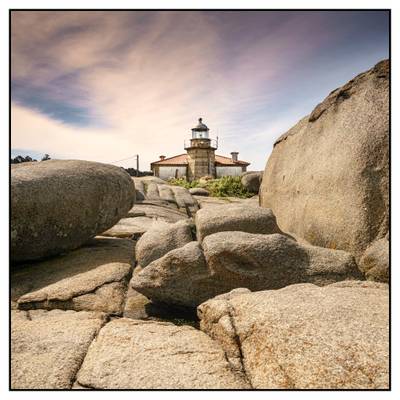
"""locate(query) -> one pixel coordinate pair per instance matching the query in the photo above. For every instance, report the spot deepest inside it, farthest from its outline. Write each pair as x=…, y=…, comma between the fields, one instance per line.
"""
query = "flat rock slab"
x=304, y=336
x=217, y=201
x=48, y=347
x=159, y=212
x=212, y=201
x=130, y=227
x=133, y=354
x=92, y=278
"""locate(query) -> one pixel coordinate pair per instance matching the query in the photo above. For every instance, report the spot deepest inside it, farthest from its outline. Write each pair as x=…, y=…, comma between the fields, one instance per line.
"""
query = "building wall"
x=229, y=171
x=166, y=171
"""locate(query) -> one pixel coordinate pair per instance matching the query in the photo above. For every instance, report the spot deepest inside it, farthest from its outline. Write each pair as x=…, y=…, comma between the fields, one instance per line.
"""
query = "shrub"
x=227, y=186
x=183, y=182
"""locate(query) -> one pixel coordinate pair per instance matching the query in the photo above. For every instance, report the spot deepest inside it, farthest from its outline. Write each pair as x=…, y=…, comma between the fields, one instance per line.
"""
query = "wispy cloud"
x=107, y=85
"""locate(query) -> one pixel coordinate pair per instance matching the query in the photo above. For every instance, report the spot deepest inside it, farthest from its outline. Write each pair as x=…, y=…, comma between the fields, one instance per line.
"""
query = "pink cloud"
x=147, y=77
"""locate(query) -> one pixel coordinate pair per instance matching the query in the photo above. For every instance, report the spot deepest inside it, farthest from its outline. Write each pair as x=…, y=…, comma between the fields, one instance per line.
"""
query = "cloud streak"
x=106, y=85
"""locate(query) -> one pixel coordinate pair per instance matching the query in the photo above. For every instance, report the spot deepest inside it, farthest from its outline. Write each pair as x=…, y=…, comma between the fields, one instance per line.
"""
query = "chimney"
x=162, y=157
x=234, y=155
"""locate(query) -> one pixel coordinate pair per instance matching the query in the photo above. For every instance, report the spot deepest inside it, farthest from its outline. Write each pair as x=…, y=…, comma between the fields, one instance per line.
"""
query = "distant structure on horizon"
x=199, y=160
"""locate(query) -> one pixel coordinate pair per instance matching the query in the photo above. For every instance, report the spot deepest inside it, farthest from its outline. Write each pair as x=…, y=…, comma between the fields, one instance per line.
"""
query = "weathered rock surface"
x=155, y=190
x=143, y=216
x=252, y=180
x=149, y=179
x=159, y=212
x=375, y=261
x=274, y=261
x=217, y=201
x=133, y=354
x=304, y=336
x=92, y=278
x=204, y=201
x=327, y=178
x=47, y=347
x=57, y=205
x=199, y=192
x=138, y=306
x=133, y=227
x=235, y=217
x=180, y=277
x=160, y=239
x=187, y=276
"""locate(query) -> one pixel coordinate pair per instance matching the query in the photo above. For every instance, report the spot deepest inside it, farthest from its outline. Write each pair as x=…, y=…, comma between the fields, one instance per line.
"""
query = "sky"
x=105, y=86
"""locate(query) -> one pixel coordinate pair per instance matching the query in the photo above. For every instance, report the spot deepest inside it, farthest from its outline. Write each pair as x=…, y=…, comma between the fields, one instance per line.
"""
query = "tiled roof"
x=181, y=159
x=221, y=160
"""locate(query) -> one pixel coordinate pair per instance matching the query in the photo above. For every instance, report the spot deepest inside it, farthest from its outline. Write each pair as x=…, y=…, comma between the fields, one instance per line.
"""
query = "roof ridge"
x=170, y=158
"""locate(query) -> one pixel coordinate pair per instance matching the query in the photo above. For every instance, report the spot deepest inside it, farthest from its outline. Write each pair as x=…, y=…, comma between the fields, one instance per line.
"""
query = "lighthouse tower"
x=201, y=153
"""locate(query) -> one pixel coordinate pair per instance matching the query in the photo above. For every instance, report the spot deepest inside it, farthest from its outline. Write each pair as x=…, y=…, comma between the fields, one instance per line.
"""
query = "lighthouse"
x=201, y=152
x=199, y=160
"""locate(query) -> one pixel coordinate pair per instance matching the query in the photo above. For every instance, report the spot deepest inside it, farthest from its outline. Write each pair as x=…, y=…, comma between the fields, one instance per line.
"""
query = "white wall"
x=169, y=172
x=228, y=171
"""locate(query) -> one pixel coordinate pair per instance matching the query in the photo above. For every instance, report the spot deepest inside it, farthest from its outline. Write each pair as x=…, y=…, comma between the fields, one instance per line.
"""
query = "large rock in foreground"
x=57, y=205
x=304, y=336
x=327, y=179
x=133, y=354
x=91, y=278
x=235, y=217
x=188, y=276
x=47, y=347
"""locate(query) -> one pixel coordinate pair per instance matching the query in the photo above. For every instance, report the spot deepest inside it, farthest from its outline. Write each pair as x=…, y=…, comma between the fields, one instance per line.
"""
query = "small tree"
x=46, y=157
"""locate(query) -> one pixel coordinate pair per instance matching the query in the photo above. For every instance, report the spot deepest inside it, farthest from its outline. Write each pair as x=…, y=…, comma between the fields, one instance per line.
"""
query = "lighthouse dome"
x=200, y=126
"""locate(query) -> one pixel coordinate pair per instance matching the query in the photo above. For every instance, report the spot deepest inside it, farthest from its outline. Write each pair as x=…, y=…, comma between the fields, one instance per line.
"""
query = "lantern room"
x=200, y=131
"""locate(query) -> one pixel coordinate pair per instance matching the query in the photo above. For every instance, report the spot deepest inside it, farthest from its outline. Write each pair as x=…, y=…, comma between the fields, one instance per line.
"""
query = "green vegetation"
x=227, y=186
x=184, y=183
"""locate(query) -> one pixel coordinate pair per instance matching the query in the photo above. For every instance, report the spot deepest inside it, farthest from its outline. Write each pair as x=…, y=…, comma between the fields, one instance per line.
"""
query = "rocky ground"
x=120, y=283
x=120, y=312
x=75, y=311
